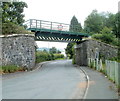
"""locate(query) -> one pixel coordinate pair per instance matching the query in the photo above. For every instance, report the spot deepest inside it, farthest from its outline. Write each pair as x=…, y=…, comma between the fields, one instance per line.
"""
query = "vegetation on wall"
x=11, y=28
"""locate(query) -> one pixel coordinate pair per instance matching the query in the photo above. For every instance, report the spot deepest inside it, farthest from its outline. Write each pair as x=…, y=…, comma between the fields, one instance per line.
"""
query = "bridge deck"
x=53, y=31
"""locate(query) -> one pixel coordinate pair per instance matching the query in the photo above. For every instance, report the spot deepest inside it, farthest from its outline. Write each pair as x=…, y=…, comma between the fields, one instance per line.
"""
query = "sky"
x=63, y=10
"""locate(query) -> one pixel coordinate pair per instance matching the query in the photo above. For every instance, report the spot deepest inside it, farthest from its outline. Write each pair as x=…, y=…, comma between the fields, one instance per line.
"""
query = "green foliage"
x=13, y=12
x=10, y=69
x=106, y=36
x=69, y=50
x=45, y=56
x=117, y=25
x=115, y=59
x=11, y=28
x=12, y=17
x=94, y=22
x=75, y=26
x=92, y=65
x=53, y=50
x=58, y=56
x=42, y=56
x=106, y=30
x=110, y=20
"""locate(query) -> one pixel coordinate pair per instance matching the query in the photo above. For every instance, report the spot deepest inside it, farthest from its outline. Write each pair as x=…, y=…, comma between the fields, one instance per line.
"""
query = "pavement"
x=99, y=86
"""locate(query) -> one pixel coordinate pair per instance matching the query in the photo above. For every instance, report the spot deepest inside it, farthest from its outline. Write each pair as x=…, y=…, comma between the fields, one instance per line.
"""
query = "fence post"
x=116, y=73
x=97, y=64
x=108, y=68
x=101, y=65
x=119, y=75
x=112, y=71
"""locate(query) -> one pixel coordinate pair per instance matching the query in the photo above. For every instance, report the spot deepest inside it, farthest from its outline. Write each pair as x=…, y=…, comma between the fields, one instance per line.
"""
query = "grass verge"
x=10, y=69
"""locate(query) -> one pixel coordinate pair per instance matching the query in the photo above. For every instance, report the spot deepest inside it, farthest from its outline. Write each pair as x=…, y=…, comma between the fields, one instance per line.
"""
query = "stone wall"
x=18, y=49
x=93, y=49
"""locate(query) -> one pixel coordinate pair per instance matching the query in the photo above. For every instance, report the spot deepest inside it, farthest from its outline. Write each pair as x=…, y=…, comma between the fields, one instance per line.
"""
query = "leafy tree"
x=109, y=20
x=13, y=12
x=45, y=51
x=93, y=23
x=53, y=50
x=106, y=30
x=58, y=51
x=75, y=26
x=69, y=50
x=12, y=17
x=117, y=25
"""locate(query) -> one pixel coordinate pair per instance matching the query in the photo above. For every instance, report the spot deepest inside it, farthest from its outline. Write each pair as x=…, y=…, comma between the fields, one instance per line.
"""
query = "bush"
x=58, y=56
x=115, y=59
x=45, y=56
x=97, y=36
x=11, y=28
x=106, y=36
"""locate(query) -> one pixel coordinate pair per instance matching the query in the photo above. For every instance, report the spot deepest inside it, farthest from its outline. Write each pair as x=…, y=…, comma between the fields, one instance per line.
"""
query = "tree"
x=75, y=26
x=58, y=51
x=45, y=51
x=12, y=17
x=12, y=12
x=109, y=20
x=93, y=23
x=117, y=25
x=69, y=50
x=53, y=50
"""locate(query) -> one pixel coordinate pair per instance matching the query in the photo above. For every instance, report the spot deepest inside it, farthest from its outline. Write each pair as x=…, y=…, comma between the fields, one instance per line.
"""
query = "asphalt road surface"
x=54, y=80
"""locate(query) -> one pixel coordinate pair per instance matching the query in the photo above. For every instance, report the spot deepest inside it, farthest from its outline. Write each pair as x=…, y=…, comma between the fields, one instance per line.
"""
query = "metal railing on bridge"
x=41, y=24
x=54, y=31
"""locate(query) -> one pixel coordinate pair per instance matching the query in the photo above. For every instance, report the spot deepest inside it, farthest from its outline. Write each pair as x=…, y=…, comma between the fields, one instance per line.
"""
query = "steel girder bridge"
x=53, y=31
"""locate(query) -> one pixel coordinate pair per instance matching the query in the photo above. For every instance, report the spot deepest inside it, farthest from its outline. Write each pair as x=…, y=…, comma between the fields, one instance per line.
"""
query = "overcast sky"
x=63, y=10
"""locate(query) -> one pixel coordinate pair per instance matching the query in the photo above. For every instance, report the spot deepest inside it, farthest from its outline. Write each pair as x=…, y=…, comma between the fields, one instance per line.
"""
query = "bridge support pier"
x=93, y=49
x=18, y=49
x=81, y=54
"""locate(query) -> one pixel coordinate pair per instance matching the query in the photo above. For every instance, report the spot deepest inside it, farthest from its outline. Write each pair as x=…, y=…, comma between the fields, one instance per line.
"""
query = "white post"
x=97, y=63
x=101, y=65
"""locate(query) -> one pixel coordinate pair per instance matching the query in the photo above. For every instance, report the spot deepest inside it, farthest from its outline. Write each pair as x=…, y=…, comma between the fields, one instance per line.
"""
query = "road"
x=54, y=80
